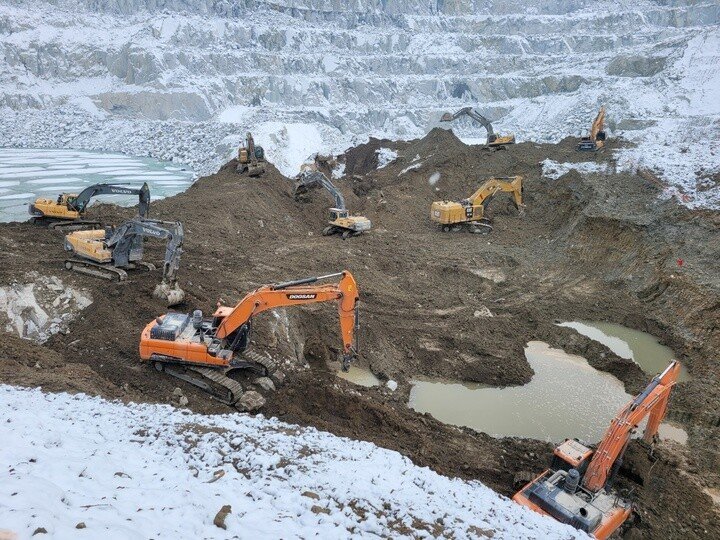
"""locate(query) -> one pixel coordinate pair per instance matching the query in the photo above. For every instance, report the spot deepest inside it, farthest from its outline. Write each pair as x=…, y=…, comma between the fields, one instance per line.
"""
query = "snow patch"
x=554, y=170
x=153, y=471
x=289, y=145
x=41, y=306
x=410, y=168
x=385, y=156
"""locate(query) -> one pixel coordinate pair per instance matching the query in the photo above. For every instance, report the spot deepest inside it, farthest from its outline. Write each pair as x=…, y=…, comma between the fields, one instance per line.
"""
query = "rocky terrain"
x=590, y=246
x=183, y=80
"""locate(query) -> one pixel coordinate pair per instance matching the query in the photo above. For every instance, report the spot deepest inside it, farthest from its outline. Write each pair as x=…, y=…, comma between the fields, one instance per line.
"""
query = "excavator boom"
x=577, y=489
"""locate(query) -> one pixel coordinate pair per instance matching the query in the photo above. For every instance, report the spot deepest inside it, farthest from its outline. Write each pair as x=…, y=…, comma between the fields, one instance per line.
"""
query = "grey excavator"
x=341, y=222
x=109, y=253
x=494, y=140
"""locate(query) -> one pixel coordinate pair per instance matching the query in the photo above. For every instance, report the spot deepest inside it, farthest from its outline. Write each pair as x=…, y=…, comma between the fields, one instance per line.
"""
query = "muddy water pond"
x=565, y=398
x=359, y=375
x=26, y=174
x=641, y=348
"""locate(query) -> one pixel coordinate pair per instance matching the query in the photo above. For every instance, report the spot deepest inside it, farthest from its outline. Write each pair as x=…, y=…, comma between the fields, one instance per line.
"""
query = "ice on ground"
x=410, y=168
x=554, y=170
x=40, y=306
x=152, y=471
x=47, y=171
x=385, y=156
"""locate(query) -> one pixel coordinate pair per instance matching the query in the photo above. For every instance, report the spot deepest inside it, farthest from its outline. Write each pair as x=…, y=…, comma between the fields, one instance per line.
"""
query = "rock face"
x=183, y=80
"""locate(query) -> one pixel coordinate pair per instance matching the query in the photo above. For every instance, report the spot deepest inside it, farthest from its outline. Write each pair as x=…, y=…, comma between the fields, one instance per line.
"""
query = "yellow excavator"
x=494, y=140
x=109, y=253
x=341, y=222
x=596, y=140
x=67, y=211
x=251, y=158
x=470, y=213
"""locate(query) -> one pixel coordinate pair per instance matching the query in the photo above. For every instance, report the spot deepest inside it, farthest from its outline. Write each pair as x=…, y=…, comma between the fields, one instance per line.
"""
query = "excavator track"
x=268, y=364
x=103, y=271
x=480, y=227
x=211, y=380
x=74, y=225
x=64, y=225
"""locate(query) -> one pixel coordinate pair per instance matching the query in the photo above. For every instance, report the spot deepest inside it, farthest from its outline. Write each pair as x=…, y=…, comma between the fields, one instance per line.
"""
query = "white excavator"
x=494, y=140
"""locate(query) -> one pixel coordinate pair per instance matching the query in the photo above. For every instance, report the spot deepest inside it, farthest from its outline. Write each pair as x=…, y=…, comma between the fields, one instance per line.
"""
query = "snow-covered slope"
x=183, y=79
x=149, y=471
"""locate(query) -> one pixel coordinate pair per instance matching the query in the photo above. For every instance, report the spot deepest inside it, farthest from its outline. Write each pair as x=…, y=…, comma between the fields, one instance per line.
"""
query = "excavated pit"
x=600, y=246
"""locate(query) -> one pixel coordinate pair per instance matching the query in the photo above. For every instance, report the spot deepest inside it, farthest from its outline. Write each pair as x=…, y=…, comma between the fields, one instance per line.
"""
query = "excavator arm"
x=652, y=403
x=598, y=124
x=577, y=488
x=79, y=203
x=509, y=184
x=295, y=293
x=308, y=179
x=472, y=113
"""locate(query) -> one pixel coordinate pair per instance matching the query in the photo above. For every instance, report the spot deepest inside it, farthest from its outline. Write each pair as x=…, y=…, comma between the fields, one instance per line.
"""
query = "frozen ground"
x=184, y=81
x=26, y=174
x=78, y=466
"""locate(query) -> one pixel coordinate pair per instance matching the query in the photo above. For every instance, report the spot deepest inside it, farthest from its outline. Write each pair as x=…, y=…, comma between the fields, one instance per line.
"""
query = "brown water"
x=641, y=348
x=360, y=376
x=566, y=398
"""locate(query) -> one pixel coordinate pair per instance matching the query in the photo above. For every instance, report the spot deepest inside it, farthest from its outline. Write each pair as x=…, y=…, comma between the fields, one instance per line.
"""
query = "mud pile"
x=597, y=246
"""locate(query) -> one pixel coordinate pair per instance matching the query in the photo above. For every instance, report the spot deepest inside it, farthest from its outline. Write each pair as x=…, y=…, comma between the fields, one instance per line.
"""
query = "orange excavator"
x=190, y=345
x=577, y=488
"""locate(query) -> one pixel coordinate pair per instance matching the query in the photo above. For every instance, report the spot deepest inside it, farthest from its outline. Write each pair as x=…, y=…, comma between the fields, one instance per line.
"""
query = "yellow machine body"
x=502, y=140
x=473, y=208
x=89, y=245
x=56, y=208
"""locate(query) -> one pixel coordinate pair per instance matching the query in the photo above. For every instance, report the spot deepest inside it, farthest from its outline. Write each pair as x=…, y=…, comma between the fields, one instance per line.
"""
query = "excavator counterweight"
x=470, y=212
x=66, y=212
x=577, y=488
x=204, y=350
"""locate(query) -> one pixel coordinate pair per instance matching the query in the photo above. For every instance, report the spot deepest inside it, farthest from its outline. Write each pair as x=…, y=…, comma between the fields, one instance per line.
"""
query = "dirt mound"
x=596, y=246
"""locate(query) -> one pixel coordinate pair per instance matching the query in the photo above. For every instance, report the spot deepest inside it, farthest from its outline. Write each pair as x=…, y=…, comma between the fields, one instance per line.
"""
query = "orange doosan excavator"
x=577, y=489
x=203, y=350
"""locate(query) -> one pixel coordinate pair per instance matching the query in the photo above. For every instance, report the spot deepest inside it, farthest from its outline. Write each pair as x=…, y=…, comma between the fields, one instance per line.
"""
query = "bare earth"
x=589, y=247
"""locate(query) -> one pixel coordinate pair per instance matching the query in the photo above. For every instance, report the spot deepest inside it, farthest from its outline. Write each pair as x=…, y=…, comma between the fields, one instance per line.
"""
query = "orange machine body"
x=577, y=488
x=175, y=338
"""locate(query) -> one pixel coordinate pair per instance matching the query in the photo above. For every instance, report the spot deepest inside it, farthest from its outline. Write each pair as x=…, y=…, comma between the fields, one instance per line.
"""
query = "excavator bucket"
x=172, y=294
x=446, y=117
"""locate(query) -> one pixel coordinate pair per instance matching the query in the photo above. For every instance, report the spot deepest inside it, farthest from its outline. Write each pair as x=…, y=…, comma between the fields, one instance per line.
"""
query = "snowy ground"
x=152, y=471
x=183, y=81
